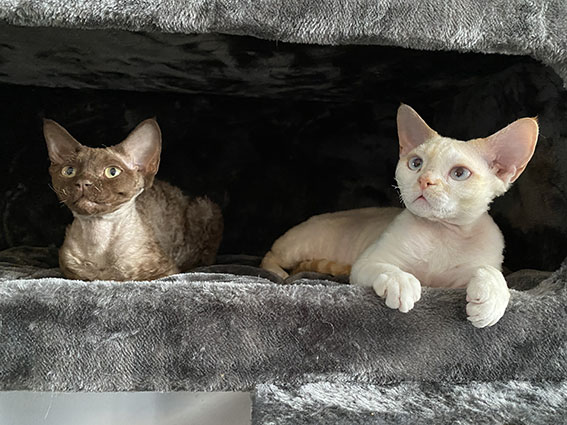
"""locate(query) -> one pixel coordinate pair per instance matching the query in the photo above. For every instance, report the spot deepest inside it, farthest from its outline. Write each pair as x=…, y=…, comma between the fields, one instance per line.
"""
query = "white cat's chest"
x=438, y=258
x=438, y=255
x=448, y=256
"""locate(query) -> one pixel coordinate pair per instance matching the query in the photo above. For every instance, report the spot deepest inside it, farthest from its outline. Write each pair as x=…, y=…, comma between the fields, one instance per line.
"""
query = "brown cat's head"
x=97, y=181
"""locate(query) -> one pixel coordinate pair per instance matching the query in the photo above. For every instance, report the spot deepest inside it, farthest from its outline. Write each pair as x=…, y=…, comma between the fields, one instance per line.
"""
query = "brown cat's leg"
x=154, y=268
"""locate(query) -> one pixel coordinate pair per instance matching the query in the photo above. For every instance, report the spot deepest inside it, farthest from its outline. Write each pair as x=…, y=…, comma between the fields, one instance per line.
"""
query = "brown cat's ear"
x=509, y=150
x=141, y=149
x=412, y=130
x=61, y=146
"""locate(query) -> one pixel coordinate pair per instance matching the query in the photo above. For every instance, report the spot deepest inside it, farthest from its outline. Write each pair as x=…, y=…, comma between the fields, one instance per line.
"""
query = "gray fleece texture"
x=504, y=26
x=511, y=402
x=313, y=351
x=214, y=331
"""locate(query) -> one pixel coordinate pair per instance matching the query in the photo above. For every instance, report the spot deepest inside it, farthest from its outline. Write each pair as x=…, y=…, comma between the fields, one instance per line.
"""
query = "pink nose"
x=426, y=180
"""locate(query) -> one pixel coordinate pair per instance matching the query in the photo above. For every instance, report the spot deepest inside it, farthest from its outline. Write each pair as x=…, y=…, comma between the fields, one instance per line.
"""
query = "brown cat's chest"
x=113, y=248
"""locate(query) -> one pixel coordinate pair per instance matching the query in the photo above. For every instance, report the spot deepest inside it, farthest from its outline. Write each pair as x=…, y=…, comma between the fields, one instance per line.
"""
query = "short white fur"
x=445, y=237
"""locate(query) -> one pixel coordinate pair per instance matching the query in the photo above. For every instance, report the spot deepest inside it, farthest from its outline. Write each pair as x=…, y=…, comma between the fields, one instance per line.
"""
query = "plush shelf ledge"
x=212, y=332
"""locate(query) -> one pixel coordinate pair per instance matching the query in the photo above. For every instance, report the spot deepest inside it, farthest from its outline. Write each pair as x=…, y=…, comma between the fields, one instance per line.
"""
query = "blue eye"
x=415, y=163
x=460, y=173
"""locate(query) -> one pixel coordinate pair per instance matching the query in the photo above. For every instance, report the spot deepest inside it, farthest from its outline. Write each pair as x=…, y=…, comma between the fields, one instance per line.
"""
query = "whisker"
x=397, y=188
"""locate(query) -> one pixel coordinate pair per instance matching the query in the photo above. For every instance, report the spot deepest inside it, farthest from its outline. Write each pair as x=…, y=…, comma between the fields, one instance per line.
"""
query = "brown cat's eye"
x=112, y=172
x=68, y=171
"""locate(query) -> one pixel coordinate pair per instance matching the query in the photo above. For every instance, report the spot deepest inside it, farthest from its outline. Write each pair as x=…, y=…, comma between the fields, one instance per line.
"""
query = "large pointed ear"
x=61, y=146
x=509, y=150
x=141, y=149
x=412, y=130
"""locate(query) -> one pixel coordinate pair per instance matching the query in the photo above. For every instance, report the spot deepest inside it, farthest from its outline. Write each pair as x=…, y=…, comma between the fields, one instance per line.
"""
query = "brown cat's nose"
x=426, y=180
x=83, y=184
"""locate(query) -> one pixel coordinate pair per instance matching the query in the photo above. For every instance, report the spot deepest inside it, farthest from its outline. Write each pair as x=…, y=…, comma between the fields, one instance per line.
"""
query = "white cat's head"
x=453, y=181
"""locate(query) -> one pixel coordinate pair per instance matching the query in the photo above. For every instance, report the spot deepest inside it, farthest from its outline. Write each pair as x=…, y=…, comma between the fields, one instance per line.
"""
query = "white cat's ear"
x=412, y=129
x=141, y=149
x=61, y=146
x=509, y=150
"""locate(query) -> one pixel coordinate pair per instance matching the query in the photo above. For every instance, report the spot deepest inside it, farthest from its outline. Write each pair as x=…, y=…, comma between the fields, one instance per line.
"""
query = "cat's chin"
x=84, y=206
x=423, y=208
x=426, y=206
x=420, y=206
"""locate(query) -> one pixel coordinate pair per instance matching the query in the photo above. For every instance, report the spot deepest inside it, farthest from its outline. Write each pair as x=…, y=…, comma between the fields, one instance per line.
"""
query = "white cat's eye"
x=415, y=163
x=112, y=172
x=68, y=171
x=460, y=173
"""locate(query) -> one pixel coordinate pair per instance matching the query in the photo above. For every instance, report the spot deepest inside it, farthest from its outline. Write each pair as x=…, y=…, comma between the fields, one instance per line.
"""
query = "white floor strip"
x=181, y=408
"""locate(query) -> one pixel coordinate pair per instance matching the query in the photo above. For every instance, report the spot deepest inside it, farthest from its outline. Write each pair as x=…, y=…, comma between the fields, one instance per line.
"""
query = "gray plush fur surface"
x=510, y=402
x=504, y=26
x=214, y=331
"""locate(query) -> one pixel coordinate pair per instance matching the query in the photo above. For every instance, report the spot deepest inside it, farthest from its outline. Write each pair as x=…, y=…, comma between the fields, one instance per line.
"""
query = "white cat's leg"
x=487, y=297
x=400, y=289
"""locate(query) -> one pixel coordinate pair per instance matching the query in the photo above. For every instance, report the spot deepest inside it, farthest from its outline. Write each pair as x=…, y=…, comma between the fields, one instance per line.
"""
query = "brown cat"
x=127, y=226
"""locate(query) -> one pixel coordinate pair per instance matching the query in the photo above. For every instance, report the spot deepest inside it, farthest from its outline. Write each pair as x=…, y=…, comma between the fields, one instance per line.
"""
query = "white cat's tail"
x=323, y=266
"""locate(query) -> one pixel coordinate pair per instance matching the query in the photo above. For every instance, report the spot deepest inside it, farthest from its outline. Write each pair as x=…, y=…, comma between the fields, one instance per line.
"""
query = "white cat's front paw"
x=487, y=297
x=400, y=289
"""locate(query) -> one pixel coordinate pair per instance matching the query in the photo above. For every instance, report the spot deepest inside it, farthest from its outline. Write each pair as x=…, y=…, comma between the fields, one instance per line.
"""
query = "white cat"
x=444, y=237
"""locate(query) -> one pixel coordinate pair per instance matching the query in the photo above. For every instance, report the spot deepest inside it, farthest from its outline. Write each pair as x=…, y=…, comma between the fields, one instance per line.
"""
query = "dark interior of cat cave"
x=274, y=132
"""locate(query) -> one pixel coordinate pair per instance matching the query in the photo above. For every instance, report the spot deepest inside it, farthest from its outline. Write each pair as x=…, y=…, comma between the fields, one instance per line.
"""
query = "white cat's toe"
x=487, y=297
x=400, y=289
x=482, y=315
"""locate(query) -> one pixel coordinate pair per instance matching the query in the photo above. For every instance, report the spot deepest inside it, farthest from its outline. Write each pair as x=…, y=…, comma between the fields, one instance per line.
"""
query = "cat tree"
x=280, y=110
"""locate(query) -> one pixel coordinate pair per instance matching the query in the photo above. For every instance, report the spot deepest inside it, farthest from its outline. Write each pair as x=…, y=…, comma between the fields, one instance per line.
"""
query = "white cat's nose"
x=426, y=180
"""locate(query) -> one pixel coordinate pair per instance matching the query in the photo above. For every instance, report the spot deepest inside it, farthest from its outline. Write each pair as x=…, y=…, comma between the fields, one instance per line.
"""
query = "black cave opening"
x=274, y=132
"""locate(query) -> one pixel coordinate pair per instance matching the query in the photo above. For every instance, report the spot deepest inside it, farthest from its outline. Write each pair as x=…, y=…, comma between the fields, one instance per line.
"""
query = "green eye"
x=112, y=172
x=68, y=171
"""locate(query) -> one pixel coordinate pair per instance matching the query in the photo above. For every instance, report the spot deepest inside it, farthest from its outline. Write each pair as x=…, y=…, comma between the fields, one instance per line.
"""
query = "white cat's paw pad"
x=487, y=297
x=400, y=289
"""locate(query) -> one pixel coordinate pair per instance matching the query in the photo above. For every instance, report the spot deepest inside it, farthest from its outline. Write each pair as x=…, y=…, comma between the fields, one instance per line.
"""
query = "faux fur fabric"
x=213, y=332
x=504, y=26
x=510, y=402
